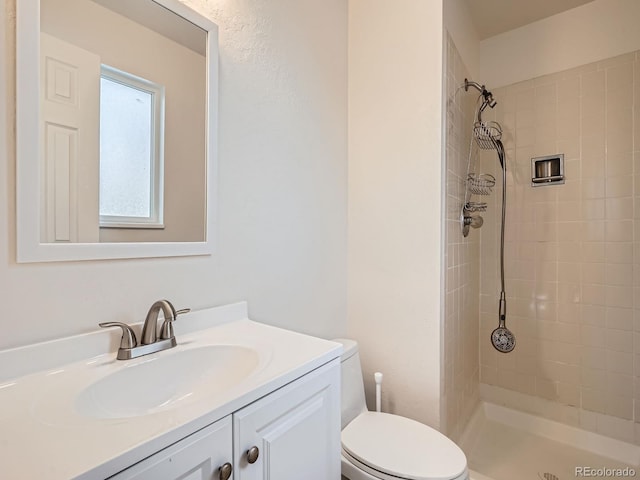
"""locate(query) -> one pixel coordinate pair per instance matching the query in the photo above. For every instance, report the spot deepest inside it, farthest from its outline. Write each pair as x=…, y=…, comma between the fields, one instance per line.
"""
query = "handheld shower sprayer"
x=488, y=137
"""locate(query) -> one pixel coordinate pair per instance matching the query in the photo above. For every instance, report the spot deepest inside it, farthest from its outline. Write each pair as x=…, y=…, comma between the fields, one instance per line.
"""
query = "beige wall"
x=128, y=46
x=595, y=31
x=460, y=341
x=395, y=172
x=281, y=189
x=572, y=251
x=459, y=25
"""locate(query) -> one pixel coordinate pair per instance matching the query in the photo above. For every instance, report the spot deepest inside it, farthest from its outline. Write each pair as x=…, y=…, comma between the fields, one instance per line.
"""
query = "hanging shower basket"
x=487, y=134
x=480, y=183
x=472, y=207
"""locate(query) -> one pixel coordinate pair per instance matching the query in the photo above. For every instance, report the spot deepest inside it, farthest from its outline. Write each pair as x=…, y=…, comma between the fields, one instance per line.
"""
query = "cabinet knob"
x=225, y=471
x=252, y=454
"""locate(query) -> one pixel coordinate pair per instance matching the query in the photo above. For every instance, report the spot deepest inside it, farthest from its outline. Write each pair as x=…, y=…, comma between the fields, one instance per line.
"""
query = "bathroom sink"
x=163, y=382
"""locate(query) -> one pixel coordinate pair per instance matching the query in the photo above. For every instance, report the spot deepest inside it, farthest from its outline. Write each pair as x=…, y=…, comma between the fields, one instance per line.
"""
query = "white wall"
x=395, y=170
x=282, y=189
x=586, y=34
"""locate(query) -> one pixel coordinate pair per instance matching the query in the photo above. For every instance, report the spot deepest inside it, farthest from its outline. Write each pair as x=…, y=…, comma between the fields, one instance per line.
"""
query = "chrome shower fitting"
x=474, y=221
x=476, y=184
x=488, y=136
x=480, y=184
x=488, y=99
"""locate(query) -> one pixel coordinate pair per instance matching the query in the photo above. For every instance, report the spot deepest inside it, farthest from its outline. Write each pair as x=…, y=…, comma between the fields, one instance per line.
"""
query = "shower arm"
x=487, y=96
x=469, y=83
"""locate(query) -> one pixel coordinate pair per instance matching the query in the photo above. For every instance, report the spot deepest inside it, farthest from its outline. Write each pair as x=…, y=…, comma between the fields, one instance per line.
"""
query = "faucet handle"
x=128, y=339
x=167, y=326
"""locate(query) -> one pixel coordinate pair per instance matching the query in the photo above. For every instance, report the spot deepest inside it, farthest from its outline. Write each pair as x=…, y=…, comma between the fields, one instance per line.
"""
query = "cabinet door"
x=296, y=430
x=197, y=457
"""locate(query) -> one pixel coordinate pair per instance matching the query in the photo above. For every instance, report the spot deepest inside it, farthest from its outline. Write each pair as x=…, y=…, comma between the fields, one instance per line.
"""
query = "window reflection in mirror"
x=141, y=40
x=131, y=151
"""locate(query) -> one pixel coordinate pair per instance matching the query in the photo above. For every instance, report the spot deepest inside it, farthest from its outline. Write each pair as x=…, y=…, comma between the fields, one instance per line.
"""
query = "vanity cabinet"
x=292, y=433
x=230, y=384
x=200, y=456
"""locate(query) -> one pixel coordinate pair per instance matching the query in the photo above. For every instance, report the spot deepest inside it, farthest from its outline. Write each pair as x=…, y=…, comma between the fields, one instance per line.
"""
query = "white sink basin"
x=167, y=381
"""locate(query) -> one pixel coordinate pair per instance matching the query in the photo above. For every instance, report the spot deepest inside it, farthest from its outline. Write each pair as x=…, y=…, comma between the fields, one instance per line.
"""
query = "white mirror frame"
x=29, y=248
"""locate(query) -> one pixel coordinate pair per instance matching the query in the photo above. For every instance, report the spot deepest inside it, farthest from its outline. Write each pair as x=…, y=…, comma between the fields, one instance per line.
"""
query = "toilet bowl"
x=382, y=446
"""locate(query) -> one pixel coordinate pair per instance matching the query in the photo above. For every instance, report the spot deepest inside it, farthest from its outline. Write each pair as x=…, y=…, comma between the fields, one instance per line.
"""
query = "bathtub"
x=505, y=444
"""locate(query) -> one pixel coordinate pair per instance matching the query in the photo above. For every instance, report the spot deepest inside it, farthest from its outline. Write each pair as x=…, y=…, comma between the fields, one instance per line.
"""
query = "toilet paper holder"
x=547, y=170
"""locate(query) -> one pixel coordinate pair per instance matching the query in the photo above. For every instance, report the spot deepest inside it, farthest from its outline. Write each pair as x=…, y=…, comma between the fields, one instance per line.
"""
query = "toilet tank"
x=352, y=402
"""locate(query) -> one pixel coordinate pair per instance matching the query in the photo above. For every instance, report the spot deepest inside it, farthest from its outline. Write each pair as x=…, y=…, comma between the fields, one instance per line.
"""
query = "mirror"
x=116, y=129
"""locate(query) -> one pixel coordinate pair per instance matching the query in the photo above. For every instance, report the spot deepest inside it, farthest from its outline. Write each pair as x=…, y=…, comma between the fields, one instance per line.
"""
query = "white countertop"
x=42, y=434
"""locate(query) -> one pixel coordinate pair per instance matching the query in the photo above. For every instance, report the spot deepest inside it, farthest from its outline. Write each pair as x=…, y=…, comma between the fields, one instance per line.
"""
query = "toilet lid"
x=402, y=447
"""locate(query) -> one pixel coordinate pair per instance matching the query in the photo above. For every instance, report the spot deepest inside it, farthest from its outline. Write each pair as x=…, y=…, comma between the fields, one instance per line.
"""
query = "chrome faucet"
x=149, y=331
x=150, y=343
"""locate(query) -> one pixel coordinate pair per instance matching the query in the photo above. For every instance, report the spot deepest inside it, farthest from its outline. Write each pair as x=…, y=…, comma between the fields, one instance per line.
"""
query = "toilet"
x=382, y=446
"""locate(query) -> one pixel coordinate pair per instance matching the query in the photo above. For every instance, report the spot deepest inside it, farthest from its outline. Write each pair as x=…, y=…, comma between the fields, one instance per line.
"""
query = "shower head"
x=487, y=96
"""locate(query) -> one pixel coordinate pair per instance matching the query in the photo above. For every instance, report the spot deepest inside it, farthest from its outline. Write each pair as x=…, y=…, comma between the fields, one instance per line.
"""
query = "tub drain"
x=548, y=476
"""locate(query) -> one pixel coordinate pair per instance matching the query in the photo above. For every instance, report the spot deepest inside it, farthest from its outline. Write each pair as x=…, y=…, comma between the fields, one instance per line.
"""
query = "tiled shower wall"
x=460, y=378
x=572, y=256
